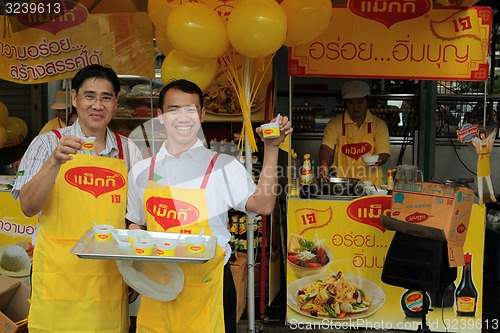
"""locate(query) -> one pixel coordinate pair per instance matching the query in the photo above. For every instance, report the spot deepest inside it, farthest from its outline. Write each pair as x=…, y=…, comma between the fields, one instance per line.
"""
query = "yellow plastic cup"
x=102, y=232
x=195, y=244
x=89, y=143
x=144, y=246
x=133, y=234
x=166, y=247
x=270, y=130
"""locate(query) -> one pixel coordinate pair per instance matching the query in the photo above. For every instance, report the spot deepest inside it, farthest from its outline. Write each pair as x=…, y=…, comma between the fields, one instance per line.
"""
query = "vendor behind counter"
x=352, y=134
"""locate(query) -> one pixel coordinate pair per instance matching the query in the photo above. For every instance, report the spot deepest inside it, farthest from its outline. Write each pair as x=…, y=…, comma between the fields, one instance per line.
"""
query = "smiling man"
x=71, y=294
x=197, y=187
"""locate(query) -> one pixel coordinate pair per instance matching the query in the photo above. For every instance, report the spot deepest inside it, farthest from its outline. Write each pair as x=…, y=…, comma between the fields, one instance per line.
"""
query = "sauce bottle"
x=390, y=181
x=466, y=294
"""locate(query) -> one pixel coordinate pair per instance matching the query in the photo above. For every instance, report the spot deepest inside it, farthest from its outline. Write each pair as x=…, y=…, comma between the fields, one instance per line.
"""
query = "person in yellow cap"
x=60, y=105
x=354, y=133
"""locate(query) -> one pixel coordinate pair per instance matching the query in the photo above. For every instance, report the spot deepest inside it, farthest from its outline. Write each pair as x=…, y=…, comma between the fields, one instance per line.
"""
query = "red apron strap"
x=120, y=146
x=57, y=133
x=118, y=142
x=343, y=125
x=152, y=168
x=209, y=171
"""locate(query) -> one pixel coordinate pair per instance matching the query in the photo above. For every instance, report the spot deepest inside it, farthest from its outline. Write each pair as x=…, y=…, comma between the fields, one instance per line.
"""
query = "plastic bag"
x=162, y=281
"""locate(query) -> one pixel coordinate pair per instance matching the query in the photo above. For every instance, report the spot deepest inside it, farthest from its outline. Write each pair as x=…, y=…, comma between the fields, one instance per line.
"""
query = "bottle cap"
x=467, y=257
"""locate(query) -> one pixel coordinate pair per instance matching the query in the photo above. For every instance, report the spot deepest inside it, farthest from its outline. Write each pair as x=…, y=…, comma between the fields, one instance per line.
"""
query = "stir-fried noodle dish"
x=334, y=296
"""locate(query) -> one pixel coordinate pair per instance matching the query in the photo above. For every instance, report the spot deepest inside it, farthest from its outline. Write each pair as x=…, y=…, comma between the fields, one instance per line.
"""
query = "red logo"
x=396, y=213
x=461, y=228
x=94, y=180
x=367, y=210
x=195, y=248
x=70, y=15
x=356, y=150
x=268, y=131
x=414, y=297
x=88, y=145
x=139, y=251
x=169, y=212
x=416, y=217
x=101, y=236
x=389, y=12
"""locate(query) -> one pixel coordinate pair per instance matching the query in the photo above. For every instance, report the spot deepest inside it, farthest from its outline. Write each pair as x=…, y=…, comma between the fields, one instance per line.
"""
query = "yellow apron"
x=483, y=162
x=349, y=161
x=198, y=308
x=72, y=294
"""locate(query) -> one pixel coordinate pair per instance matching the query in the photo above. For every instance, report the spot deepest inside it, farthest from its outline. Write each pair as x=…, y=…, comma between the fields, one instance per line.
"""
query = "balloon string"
x=246, y=98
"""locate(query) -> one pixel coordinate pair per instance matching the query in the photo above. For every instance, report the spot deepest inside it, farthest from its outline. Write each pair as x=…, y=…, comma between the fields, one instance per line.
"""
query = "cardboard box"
x=14, y=305
x=240, y=277
x=435, y=211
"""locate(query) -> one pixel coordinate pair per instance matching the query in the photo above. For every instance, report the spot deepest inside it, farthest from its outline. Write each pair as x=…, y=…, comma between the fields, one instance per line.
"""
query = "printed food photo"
x=306, y=257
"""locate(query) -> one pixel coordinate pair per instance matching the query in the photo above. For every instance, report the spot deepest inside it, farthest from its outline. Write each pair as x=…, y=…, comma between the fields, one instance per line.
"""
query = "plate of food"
x=307, y=257
x=335, y=296
x=221, y=99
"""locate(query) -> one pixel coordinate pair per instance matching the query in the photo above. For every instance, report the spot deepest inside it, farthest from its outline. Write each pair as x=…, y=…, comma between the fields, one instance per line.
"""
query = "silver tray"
x=88, y=248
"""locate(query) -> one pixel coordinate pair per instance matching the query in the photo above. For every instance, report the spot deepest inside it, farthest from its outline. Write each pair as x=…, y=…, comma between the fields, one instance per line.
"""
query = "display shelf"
x=311, y=111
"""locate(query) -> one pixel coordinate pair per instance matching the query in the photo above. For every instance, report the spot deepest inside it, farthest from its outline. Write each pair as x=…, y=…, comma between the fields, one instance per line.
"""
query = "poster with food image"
x=335, y=256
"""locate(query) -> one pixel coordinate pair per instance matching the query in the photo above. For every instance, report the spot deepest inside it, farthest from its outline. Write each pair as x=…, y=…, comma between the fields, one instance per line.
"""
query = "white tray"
x=88, y=248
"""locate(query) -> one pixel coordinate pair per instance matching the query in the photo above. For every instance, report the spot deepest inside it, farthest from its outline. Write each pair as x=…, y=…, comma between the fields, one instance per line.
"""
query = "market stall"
x=345, y=232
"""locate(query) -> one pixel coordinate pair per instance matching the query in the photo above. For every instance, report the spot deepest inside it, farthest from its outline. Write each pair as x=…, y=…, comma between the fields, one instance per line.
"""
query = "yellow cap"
x=307, y=156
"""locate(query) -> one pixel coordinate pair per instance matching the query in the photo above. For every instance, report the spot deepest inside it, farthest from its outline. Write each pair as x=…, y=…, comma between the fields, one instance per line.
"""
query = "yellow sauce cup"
x=102, y=232
x=166, y=247
x=144, y=246
x=195, y=244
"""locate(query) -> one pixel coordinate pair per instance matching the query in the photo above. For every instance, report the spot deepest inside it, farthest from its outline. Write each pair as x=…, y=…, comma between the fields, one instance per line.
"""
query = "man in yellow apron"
x=185, y=176
x=61, y=181
x=351, y=135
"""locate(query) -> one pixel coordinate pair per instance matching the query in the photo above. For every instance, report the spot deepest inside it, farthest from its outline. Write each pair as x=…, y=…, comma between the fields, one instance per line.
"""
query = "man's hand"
x=68, y=145
x=324, y=173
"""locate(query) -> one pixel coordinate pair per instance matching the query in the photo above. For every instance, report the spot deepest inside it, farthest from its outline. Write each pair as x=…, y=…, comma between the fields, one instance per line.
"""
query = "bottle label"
x=466, y=304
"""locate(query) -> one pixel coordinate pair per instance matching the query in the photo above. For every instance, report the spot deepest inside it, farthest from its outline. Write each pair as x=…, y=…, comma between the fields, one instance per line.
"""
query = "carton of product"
x=435, y=211
x=14, y=305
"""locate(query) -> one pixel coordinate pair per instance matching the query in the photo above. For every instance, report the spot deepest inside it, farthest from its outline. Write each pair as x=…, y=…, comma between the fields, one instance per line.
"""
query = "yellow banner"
x=418, y=42
x=356, y=244
x=39, y=48
x=14, y=226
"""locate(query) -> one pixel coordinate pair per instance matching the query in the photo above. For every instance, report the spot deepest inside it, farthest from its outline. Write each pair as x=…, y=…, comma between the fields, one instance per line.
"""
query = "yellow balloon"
x=3, y=137
x=162, y=42
x=159, y=10
x=16, y=130
x=306, y=20
x=257, y=28
x=197, y=31
x=460, y=3
x=177, y=66
x=4, y=114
